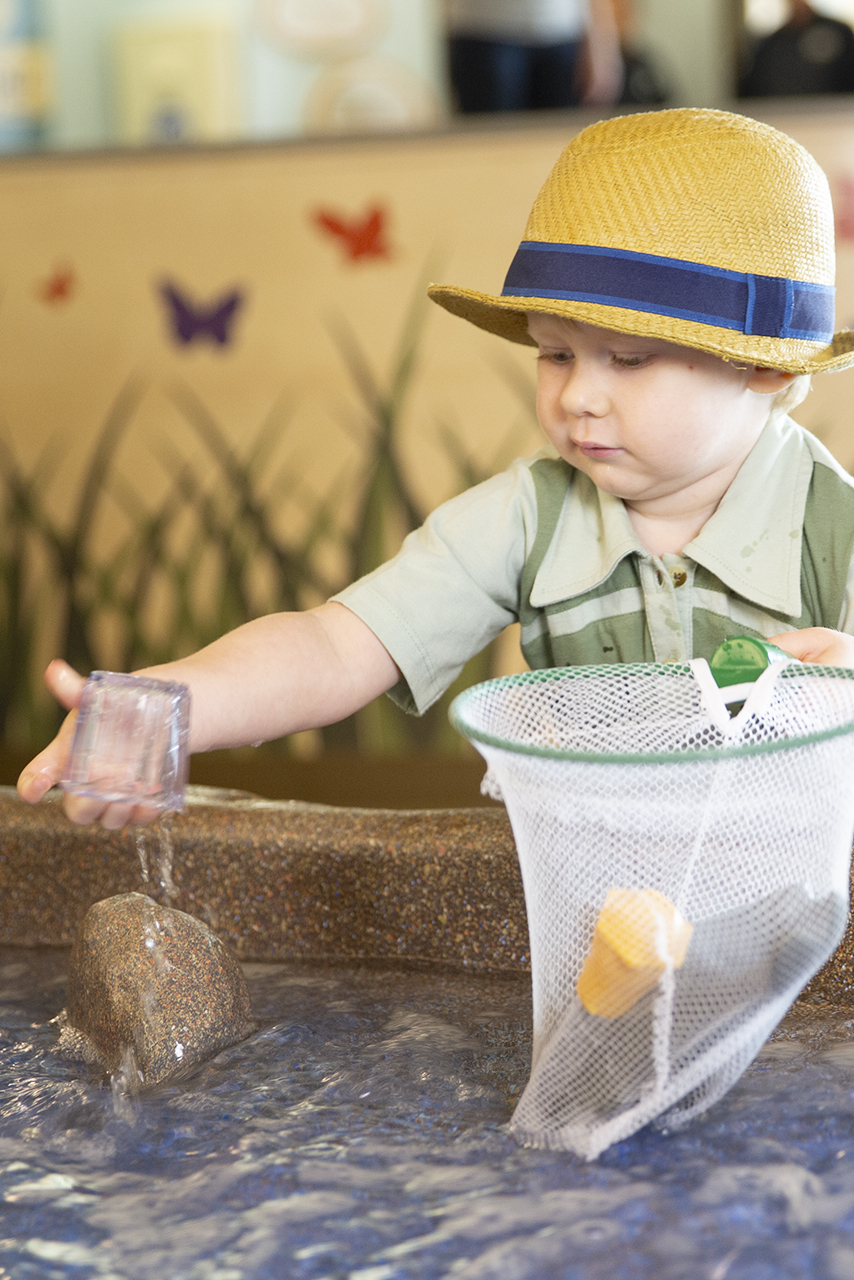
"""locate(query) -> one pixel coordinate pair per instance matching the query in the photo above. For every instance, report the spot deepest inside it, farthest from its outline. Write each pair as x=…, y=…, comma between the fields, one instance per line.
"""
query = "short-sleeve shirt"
x=541, y=545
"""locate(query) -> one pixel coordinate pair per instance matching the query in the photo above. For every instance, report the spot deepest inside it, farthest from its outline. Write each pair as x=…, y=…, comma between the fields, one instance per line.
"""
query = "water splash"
x=125, y=1084
x=163, y=883
x=166, y=859
x=126, y=1081
x=152, y=920
x=142, y=854
x=154, y=934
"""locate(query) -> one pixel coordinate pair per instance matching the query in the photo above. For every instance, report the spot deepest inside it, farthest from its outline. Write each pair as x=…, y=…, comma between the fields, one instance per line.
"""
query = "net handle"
x=756, y=695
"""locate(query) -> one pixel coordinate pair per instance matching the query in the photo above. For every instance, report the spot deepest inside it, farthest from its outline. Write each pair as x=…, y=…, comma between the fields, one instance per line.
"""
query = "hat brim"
x=507, y=317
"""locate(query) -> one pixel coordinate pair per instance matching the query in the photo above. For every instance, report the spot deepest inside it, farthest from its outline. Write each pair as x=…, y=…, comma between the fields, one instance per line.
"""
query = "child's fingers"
x=49, y=766
x=35, y=780
x=143, y=815
x=65, y=683
x=818, y=644
x=112, y=816
x=84, y=810
x=803, y=645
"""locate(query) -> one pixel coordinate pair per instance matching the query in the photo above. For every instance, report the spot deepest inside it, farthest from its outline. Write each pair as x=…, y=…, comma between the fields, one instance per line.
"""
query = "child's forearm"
x=281, y=674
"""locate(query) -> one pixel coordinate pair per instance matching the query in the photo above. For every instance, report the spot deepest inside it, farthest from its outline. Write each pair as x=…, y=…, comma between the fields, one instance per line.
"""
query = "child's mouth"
x=593, y=450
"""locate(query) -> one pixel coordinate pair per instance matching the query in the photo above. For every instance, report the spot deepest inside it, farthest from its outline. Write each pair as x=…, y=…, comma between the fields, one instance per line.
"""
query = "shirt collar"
x=752, y=542
x=592, y=536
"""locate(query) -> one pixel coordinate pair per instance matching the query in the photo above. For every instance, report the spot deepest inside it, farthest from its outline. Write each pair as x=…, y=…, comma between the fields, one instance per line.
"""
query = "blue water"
x=361, y=1134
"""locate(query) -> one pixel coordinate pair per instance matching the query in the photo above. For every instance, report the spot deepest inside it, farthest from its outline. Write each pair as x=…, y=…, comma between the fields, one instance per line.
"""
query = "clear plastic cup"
x=130, y=741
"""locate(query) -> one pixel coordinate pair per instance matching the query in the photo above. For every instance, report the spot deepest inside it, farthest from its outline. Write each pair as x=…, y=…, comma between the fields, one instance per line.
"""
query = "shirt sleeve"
x=452, y=587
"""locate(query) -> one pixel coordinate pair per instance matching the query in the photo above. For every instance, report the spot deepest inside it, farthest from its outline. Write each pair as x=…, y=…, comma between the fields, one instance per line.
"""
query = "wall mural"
x=358, y=237
x=223, y=391
x=57, y=288
x=191, y=321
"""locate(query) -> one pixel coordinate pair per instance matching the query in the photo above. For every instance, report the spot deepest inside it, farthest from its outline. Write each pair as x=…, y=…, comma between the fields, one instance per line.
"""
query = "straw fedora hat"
x=700, y=227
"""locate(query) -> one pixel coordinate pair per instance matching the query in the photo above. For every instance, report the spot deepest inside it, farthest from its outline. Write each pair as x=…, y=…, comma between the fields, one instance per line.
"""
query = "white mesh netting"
x=684, y=876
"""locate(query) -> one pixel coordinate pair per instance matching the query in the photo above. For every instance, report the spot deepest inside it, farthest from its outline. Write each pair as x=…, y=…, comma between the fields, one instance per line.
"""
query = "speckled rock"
x=157, y=981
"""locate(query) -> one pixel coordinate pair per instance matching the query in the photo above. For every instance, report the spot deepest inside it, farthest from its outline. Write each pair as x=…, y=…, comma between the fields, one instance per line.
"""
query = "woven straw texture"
x=684, y=876
x=702, y=186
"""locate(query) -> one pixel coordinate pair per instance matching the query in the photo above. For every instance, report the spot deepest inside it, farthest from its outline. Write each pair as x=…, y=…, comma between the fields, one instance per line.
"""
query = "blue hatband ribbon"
x=771, y=306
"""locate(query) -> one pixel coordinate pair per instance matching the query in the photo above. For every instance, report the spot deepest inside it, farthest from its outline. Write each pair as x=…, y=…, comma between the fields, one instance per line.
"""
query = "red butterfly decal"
x=59, y=286
x=359, y=237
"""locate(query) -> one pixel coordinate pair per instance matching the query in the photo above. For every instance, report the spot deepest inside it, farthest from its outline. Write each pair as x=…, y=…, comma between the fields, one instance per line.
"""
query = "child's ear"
x=768, y=382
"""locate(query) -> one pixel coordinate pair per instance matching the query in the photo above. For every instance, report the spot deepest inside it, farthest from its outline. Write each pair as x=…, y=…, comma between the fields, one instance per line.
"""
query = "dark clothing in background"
x=642, y=86
x=811, y=58
x=499, y=75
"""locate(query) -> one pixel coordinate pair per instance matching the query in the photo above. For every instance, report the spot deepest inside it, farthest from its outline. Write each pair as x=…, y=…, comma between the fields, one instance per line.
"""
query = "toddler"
x=676, y=277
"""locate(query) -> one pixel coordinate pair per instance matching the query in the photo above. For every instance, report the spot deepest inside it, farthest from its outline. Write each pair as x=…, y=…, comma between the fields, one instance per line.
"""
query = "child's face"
x=645, y=419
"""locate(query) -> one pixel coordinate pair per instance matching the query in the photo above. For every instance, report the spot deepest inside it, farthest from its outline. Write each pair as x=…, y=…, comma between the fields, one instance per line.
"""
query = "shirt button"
x=679, y=577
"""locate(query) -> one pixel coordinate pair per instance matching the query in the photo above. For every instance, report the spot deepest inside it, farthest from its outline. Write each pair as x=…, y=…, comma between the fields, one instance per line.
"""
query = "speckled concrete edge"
x=283, y=880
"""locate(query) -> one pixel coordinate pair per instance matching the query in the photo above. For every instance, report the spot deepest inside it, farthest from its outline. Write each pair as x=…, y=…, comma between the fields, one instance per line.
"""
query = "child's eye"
x=630, y=362
x=556, y=357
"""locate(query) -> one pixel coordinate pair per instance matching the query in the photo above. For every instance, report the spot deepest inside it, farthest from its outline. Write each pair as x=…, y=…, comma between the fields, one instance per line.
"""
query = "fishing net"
x=685, y=873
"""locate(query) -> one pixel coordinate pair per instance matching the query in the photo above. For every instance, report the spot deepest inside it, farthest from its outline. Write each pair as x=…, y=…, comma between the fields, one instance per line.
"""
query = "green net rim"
x=457, y=712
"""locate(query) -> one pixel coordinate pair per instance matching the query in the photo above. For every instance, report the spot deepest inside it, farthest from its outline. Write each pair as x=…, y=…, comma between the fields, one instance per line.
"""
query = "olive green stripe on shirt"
x=828, y=543
x=749, y=617
x=623, y=638
x=572, y=618
x=712, y=628
x=613, y=628
x=552, y=478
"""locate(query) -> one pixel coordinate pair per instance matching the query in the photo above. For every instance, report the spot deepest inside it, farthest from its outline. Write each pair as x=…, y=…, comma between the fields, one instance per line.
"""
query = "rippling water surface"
x=361, y=1133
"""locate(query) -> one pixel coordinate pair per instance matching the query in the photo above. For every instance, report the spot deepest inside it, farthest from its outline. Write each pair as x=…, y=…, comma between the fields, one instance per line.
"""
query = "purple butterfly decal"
x=190, y=322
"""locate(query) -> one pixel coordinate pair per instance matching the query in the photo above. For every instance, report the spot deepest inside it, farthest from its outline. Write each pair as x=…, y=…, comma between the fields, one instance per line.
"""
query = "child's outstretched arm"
x=818, y=644
x=274, y=676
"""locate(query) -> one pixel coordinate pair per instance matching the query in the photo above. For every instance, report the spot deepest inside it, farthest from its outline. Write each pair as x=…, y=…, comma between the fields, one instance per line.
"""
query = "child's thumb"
x=65, y=683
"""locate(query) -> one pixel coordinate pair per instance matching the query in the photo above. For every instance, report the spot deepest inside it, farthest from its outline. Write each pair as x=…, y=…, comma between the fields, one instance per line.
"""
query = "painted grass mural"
x=210, y=554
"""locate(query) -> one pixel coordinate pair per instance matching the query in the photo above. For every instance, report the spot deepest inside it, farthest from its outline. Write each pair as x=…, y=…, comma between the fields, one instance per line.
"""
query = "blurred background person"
x=810, y=54
x=527, y=55
x=642, y=83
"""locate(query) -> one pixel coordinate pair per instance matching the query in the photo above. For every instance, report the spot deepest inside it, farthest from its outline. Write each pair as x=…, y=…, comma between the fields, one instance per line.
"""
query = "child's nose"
x=583, y=394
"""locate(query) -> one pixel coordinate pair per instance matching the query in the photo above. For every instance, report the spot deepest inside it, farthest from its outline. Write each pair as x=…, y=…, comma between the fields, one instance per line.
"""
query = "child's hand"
x=818, y=644
x=50, y=765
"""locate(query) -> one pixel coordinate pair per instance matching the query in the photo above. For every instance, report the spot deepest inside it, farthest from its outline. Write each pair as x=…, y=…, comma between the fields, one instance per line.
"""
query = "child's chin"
x=605, y=475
